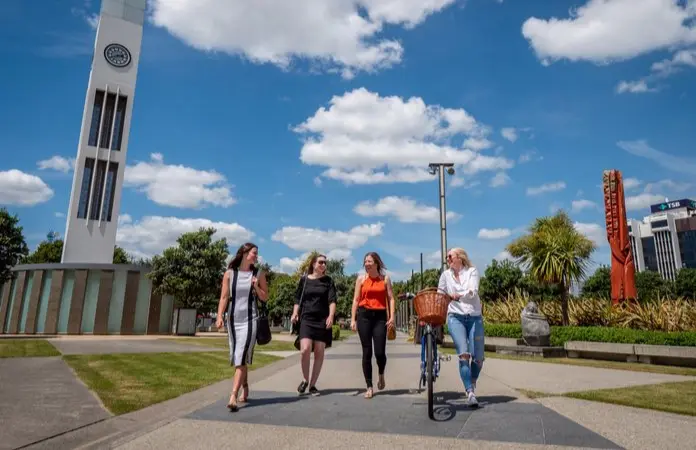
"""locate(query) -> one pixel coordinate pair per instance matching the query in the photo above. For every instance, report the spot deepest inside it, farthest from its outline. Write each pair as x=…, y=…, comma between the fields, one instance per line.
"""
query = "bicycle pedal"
x=445, y=358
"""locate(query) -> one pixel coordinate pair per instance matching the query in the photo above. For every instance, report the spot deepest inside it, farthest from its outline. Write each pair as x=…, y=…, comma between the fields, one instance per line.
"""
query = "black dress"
x=314, y=307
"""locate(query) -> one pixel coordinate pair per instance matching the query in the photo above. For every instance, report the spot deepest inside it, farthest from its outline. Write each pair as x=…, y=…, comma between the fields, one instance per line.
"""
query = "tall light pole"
x=439, y=168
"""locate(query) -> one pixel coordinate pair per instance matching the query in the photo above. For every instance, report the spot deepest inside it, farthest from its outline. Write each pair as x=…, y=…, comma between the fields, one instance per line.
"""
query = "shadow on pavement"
x=448, y=404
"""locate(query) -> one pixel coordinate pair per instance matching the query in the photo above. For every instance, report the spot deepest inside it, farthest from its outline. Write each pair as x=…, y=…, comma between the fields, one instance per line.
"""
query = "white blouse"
x=467, y=287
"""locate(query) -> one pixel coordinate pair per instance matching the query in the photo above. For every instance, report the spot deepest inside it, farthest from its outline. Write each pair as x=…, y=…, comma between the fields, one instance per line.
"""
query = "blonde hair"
x=461, y=254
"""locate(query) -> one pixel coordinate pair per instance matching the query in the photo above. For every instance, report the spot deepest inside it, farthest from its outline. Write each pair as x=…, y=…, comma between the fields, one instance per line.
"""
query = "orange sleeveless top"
x=373, y=293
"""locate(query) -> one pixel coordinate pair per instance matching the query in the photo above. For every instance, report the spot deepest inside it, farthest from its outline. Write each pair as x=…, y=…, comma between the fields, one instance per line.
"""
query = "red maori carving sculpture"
x=623, y=281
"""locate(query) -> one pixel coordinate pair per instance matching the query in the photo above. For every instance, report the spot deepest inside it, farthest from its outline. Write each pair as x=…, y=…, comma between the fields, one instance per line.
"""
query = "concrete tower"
x=90, y=233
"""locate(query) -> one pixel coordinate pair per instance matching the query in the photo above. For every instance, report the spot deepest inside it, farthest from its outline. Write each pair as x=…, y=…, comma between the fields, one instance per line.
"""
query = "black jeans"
x=372, y=327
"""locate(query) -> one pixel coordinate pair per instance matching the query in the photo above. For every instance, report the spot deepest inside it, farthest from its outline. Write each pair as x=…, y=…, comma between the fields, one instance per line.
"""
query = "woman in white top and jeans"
x=464, y=320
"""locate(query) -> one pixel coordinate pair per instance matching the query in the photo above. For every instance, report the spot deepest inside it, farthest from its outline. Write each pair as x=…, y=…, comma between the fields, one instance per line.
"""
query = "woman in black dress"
x=315, y=306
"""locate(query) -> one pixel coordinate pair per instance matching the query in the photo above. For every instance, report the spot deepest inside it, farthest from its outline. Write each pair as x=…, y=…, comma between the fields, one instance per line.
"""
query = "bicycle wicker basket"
x=431, y=306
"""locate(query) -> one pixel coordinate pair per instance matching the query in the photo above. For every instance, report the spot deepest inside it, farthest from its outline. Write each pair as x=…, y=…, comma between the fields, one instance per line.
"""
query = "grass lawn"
x=128, y=382
x=221, y=343
x=635, y=367
x=677, y=398
x=20, y=348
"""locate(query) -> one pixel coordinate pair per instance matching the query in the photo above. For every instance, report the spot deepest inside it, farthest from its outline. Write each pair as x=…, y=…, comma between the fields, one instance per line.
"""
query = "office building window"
x=658, y=224
x=649, y=253
x=114, y=114
x=104, y=190
x=687, y=247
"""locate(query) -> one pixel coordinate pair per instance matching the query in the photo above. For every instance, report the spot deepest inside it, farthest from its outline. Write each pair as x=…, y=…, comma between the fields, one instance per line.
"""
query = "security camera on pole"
x=439, y=168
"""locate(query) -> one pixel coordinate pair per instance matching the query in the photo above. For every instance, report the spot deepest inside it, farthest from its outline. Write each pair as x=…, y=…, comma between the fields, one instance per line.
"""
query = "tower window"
x=112, y=120
x=104, y=189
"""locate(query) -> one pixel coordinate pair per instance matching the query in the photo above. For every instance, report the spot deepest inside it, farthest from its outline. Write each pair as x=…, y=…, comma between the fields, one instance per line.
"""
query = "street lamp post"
x=439, y=168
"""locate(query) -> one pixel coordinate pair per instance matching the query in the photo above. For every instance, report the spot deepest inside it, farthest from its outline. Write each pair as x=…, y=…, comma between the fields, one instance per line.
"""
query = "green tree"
x=685, y=284
x=650, y=285
x=121, y=257
x=13, y=247
x=192, y=270
x=598, y=285
x=281, y=296
x=500, y=279
x=48, y=251
x=554, y=252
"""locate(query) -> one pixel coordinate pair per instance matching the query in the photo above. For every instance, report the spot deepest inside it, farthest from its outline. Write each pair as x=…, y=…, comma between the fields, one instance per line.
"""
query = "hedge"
x=561, y=335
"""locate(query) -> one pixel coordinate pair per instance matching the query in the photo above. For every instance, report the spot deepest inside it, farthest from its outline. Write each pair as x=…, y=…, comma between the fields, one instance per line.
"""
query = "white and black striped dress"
x=242, y=313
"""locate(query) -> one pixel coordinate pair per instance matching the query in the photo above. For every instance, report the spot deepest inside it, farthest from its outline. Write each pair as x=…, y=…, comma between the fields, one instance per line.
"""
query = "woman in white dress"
x=242, y=285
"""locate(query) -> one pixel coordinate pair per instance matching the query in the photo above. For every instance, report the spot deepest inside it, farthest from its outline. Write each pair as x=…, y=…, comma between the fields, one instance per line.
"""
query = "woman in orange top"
x=373, y=295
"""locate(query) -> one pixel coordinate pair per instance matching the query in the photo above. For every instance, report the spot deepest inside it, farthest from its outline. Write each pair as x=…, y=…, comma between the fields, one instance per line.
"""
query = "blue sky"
x=311, y=125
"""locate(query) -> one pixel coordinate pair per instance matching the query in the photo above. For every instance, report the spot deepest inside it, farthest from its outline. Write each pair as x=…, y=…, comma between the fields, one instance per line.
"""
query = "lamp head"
x=450, y=170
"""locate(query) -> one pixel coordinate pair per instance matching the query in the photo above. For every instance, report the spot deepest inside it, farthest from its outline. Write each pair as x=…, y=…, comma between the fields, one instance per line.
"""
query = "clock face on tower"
x=117, y=55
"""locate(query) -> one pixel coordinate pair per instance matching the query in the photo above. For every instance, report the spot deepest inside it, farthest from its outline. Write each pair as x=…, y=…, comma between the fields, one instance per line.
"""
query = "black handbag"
x=263, y=326
x=296, y=326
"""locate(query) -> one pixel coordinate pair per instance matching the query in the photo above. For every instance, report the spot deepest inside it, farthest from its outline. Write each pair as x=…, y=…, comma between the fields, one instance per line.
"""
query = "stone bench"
x=649, y=354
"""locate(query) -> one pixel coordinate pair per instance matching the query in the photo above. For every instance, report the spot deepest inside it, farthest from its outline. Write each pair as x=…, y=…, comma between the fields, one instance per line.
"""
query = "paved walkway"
x=340, y=417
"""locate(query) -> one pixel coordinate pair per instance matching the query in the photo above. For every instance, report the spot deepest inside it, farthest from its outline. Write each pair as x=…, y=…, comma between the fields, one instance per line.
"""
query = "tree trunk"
x=564, y=304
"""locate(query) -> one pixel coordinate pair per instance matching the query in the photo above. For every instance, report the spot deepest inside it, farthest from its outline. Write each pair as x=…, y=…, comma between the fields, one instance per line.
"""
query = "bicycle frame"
x=428, y=330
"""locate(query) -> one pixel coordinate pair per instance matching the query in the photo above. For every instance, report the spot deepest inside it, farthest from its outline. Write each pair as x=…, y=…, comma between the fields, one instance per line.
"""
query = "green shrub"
x=561, y=335
x=335, y=332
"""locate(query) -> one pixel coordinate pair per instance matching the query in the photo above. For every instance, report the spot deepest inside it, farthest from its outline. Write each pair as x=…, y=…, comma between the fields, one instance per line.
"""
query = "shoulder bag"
x=263, y=327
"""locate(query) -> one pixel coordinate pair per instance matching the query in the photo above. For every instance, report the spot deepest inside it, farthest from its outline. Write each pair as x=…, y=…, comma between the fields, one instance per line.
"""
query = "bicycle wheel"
x=429, y=372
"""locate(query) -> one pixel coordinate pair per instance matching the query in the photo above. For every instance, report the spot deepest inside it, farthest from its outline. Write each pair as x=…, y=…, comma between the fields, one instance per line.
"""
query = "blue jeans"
x=467, y=334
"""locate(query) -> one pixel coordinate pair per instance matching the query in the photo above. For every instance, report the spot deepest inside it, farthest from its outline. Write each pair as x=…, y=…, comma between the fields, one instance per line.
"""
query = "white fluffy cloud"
x=364, y=138
x=595, y=232
x=404, y=209
x=642, y=201
x=660, y=70
x=58, y=163
x=22, y=189
x=308, y=239
x=497, y=233
x=549, y=187
x=579, y=205
x=509, y=133
x=336, y=35
x=177, y=185
x=290, y=265
x=152, y=234
x=601, y=31
x=641, y=148
x=500, y=179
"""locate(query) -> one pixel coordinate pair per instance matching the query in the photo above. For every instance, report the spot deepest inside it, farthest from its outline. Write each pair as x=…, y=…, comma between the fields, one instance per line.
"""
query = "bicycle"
x=432, y=311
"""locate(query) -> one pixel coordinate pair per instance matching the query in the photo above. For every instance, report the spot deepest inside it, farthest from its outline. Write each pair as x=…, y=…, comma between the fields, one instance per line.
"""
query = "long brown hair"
x=378, y=261
x=243, y=250
x=310, y=269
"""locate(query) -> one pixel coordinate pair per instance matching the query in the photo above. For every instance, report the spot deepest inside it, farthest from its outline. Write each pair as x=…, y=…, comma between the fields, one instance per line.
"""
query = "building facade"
x=90, y=234
x=665, y=241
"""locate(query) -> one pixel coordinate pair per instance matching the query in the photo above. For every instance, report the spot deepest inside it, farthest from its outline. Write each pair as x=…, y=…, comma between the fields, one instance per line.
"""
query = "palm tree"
x=554, y=252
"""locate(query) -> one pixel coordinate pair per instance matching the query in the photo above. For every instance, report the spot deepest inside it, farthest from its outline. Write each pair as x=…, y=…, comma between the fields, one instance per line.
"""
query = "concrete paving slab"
x=104, y=346
x=204, y=435
x=632, y=428
x=498, y=420
x=41, y=397
x=560, y=378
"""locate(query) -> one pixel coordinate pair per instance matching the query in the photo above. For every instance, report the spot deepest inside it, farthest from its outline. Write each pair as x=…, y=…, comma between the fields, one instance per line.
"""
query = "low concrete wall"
x=49, y=299
x=649, y=354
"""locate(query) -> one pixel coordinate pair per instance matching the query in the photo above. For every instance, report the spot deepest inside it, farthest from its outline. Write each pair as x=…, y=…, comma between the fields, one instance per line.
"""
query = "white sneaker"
x=471, y=400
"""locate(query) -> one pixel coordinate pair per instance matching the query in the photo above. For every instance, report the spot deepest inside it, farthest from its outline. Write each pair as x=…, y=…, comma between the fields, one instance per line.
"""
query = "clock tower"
x=95, y=199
